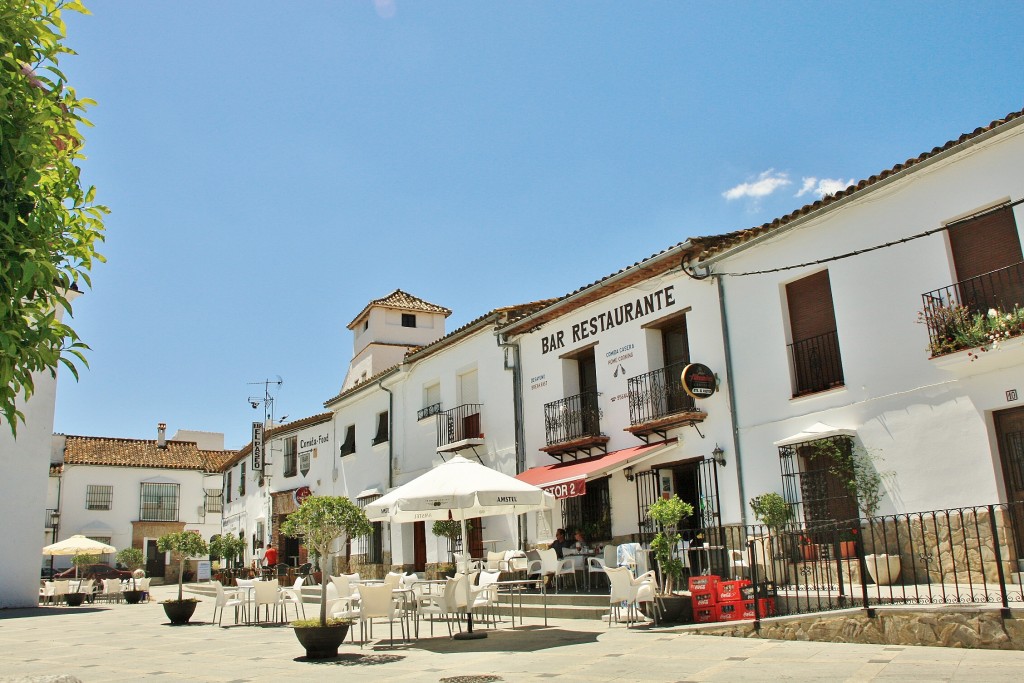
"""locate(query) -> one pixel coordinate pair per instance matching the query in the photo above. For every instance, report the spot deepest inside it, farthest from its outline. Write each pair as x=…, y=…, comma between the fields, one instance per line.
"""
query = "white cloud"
x=766, y=183
x=823, y=186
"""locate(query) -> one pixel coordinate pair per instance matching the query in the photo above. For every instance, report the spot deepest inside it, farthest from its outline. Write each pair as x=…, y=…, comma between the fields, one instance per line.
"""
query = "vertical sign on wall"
x=257, y=446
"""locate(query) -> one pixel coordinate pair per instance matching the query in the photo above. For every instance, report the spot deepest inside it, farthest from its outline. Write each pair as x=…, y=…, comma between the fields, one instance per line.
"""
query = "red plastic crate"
x=746, y=609
x=705, y=615
x=703, y=598
x=707, y=582
x=730, y=611
x=731, y=590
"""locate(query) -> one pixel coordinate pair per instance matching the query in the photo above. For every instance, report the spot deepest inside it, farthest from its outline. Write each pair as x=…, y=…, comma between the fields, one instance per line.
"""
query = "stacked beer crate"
x=716, y=600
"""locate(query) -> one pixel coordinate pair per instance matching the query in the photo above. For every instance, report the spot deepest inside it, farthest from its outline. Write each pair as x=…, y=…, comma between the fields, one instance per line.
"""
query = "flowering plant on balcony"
x=954, y=328
x=848, y=534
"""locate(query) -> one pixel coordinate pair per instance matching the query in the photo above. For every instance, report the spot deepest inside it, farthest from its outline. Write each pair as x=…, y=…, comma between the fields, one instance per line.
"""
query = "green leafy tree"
x=132, y=559
x=668, y=512
x=49, y=222
x=185, y=544
x=320, y=520
x=228, y=547
x=84, y=560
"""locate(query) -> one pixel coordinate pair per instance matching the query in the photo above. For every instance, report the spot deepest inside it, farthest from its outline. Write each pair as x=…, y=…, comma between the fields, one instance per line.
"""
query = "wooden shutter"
x=810, y=306
x=985, y=244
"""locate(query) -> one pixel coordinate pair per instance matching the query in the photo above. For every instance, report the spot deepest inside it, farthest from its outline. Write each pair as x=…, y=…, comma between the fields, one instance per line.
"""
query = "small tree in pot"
x=185, y=544
x=132, y=559
x=81, y=560
x=773, y=510
x=452, y=530
x=228, y=548
x=667, y=513
x=318, y=521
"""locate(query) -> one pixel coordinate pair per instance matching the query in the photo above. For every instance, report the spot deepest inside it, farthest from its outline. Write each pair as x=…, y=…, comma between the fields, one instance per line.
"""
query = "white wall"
x=930, y=420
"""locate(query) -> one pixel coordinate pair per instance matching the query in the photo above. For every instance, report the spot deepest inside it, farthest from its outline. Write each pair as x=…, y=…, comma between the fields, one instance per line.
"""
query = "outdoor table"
x=517, y=587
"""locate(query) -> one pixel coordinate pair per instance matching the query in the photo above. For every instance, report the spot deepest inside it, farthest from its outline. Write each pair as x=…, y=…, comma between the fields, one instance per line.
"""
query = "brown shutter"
x=810, y=306
x=985, y=244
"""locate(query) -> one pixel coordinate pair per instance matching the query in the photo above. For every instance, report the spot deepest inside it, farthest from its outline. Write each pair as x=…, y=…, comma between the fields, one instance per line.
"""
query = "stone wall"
x=940, y=627
x=955, y=546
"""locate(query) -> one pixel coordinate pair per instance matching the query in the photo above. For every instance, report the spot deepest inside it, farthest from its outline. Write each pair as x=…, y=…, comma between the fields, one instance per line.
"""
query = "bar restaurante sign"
x=698, y=380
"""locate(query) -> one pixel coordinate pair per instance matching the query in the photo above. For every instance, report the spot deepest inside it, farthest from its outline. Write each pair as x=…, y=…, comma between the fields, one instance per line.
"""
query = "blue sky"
x=271, y=167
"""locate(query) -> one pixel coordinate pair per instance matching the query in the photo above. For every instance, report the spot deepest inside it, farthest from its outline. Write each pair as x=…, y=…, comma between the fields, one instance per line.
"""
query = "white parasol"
x=459, y=489
x=78, y=545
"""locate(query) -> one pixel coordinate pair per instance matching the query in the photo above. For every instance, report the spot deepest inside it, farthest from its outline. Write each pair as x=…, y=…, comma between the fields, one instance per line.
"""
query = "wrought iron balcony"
x=432, y=409
x=658, y=394
x=572, y=418
x=817, y=364
x=958, y=317
x=459, y=427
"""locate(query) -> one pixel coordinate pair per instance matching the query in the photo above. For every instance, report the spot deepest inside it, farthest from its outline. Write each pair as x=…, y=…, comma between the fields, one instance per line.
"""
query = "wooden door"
x=1010, y=433
x=419, y=546
x=154, y=559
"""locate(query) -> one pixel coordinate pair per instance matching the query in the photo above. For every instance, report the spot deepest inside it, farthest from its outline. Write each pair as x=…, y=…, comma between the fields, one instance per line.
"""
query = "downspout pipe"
x=732, y=399
x=391, y=434
x=517, y=411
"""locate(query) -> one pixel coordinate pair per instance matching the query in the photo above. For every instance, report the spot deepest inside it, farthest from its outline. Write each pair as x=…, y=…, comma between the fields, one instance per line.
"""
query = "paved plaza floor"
x=122, y=642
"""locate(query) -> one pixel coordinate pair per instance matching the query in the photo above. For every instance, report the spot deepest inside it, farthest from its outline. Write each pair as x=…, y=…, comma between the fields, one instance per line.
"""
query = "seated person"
x=560, y=543
x=581, y=542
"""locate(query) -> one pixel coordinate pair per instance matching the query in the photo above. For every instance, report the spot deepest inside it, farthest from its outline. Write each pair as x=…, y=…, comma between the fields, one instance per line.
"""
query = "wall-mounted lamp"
x=54, y=519
x=628, y=471
x=719, y=455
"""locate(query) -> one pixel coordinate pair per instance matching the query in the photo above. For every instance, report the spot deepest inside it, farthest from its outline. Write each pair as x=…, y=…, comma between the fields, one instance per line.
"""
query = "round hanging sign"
x=698, y=380
x=300, y=494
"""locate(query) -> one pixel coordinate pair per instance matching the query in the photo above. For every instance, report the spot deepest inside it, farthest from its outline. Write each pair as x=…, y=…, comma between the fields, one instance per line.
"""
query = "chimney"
x=161, y=435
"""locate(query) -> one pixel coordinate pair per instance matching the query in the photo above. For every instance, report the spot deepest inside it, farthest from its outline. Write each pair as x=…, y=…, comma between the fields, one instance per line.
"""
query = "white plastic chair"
x=292, y=596
x=111, y=590
x=595, y=565
x=378, y=602
x=446, y=604
x=739, y=564
x=485, y=595
x=546, y=565
x=621, y=593
x=644, y=588
x=225, y=598
x=60, y=589
x=143, y=586
x=265, y=594
x=566, y=567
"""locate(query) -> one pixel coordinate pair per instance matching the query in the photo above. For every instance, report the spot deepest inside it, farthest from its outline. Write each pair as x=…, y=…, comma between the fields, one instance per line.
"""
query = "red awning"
x=568, y=479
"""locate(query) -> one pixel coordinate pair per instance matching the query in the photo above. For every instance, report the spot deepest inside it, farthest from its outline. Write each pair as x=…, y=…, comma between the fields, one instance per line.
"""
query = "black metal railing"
x=458, y=424
x=817, y=363
x=574, y=417
x=949, y=312
x=955, y=556
x=432, y=409
x=658, y=394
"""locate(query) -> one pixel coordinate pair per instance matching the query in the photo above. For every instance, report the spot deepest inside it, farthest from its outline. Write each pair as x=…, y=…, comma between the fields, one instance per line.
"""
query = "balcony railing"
x=458, y=424
x=817, y=363
x=658, y=394
x=572, y=418
x=432, y=409
x=958, y=316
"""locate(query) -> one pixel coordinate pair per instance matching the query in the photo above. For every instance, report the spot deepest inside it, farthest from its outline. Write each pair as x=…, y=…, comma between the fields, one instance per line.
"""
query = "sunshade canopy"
x=78, y=545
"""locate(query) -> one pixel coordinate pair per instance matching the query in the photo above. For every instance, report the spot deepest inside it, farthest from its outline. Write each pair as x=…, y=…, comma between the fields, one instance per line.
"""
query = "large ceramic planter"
x=132, y=597
x=675, y=609
x=179, y=612
x=74, y=599
x=321, y=642
x=884, y=569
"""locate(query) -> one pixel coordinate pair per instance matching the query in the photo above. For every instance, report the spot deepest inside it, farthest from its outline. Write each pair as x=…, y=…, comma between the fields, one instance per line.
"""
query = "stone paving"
x=133, y=642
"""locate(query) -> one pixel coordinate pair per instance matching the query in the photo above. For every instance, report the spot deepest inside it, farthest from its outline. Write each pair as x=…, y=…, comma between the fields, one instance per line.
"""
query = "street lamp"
x=719, y=455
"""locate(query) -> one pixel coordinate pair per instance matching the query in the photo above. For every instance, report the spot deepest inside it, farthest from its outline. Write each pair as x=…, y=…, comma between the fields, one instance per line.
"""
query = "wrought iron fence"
x=948, y=311
x=658, y=394
x=458, y=424
x=817, y=364
x=956, y=556
x=572, y=418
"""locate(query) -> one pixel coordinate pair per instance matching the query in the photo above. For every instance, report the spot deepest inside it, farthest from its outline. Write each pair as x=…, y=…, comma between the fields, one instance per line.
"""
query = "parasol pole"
x=469, y=634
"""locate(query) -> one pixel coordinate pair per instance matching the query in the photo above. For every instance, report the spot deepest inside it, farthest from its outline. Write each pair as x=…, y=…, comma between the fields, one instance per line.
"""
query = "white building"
x=129, y=492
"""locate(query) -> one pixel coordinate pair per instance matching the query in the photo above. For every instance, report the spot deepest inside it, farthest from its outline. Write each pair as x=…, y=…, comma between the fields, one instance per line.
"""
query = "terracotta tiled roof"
x=215, y=460
x=97, y=450
x=402, y=301
x=718, y=243
x=246, y=450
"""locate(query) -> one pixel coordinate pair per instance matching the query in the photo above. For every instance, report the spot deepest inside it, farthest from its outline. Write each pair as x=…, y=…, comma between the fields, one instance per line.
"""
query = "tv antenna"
x=266, y=400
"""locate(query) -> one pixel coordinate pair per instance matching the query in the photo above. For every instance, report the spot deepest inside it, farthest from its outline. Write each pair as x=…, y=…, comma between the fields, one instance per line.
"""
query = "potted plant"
x=808, y=549
x=318, y=521
x=228, y=548
x=848, y=542
x=185, y=544
x=81, y=560
x=132, y=559
x=667, y=513
x=774, y=512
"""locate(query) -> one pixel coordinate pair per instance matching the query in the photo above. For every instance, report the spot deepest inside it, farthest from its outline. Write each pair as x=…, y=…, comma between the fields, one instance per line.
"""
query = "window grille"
x=408, y=320
x=159, y=503
x=372, y=546
x=590, y=513
x=241, y=479
x=98, y=497
x=291, y=467
x=812, y=485
x=214, y=500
